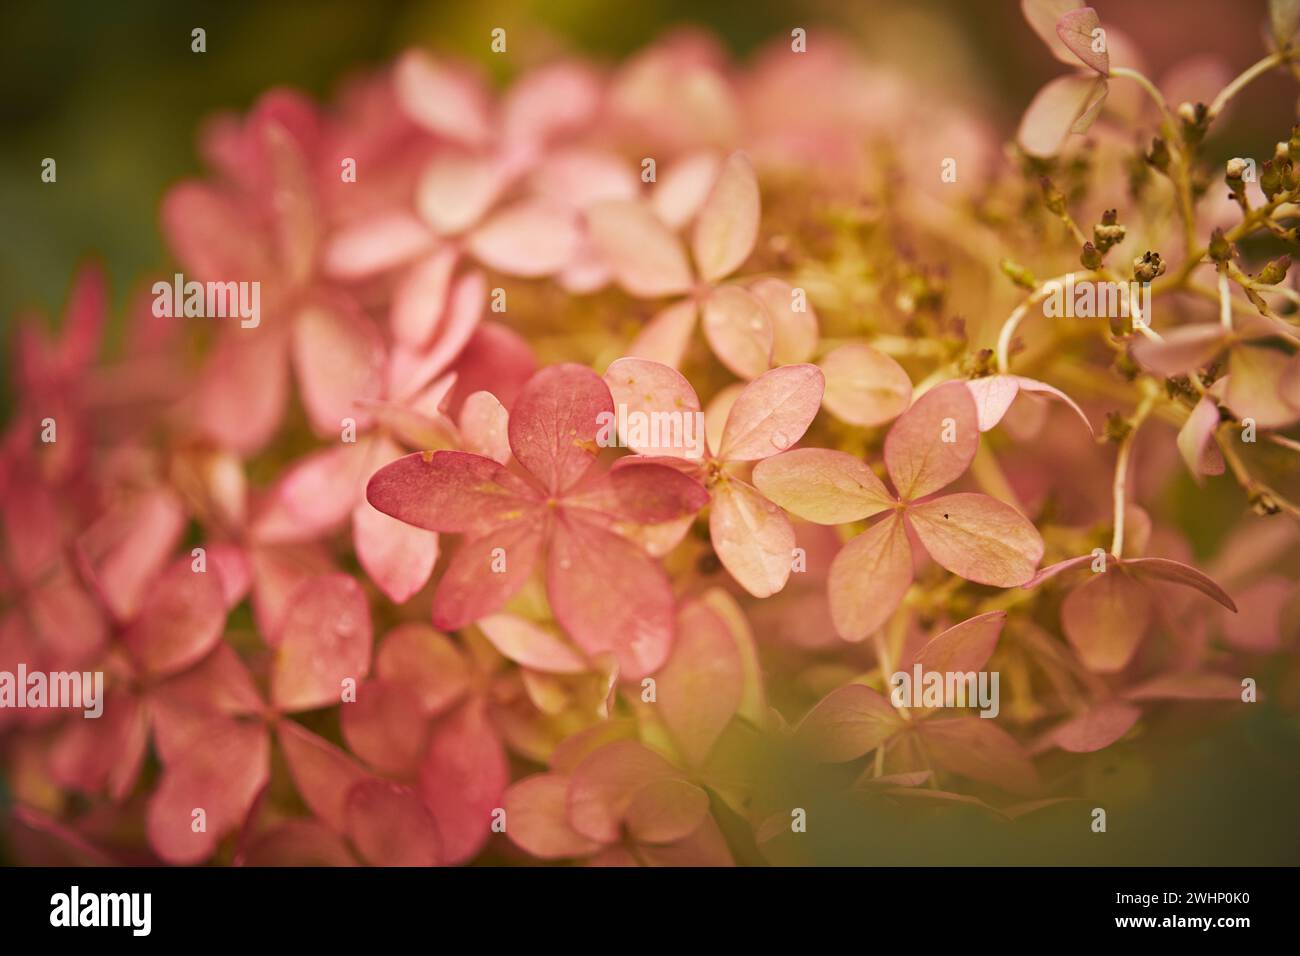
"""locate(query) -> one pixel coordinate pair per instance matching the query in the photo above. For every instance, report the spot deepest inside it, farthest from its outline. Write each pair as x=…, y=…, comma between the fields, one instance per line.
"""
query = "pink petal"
x=409, y=370
x=610, y=596
x=772, y=413
x=648, y=261
x=182, y=618
x=727, y=226
x=1196, y=440
x=963, y=647
x=1042, y=388
x=318, y=492
x=752, y=537
x=739, y=330
x=706, y=847
x=440, y=98
x=338, y=355
x=299, y=843
x=1254, y=387
x=979, y=749
x=385, y=727
x=222, y=778
x=684, y=186
x=1075, y=28
x=554, y=423
x=462, y=780
x=390, y=826
x=917, y=457
x=581, y=176
x=485, y=573
x=603, y=786
x=428, y=662
x=794, y=334
x=323, y=639
x=993, y=396
x=484, y=426
x=1066, y=104
x=1042, y=16
x=322, y=773
x=667, y=335
x=868, y=579
x=536, y=819
x=1182, y=349
x=532, y=238
x=532, y=645
x=496, y=360
x=375, y=245
x=124, y=551
x=847, y=723
x=1096, y=728
x=242, y=391
x=421, y=297
x=206, y=232
x=702, y=685
x=643, y=492
x=456, y=191
x=1189, y=685
x=665, y=811
x=450, y=491
x=979, y=538
x=1175, y=572
x=645, y=387
x=864, y=386
x=397, y=556
x=828, y=487
x=1105, y=619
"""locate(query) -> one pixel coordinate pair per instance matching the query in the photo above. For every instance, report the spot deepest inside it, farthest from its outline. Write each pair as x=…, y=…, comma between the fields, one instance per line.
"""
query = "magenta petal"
x=555, y=421
x=389, y=825
x=462, y=780
x=398, y=557
x=322, y=773
x=181, y=619
x=385, y=726
x=449, y=491
x=610, y=596
x=323, y=640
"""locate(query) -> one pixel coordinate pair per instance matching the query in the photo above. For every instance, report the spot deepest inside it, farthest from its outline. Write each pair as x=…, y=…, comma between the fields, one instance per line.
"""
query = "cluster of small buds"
x=1148, y=266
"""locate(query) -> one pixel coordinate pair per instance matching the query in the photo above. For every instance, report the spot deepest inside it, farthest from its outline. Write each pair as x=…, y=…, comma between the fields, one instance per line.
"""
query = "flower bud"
x=1019, y=275
x=1234, y=176
x=1148, y=266
x=1195, y=121
x=1091, y=258
x=1271, y=180
x=1108, y=232
x=1159, y=155
x=1274, y=272
x=1220, y=248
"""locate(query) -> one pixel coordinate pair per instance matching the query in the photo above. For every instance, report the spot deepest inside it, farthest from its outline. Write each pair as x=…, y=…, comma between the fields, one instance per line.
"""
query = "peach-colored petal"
x=864, y=386
x=532, y=238
x=1187, y=685
x=1176, y=572
x=1254, y=389
x=410, y=371
x=647, y=259
x=398, y=557
x=1042, y=16
x=794, y=331
x=828, y=487
x=666, y=336
x=702, y=685
x=979, y=749
x=1096, y=728
x=1076, y=30
x=978, y=537
x=603, y=786
x=441, y=98
x=868, y=579
x=1105, y=618
x=421, y=297
x=739, y=330
x=430, y=663
x=684, y=186
x=665, y=811
x=1196, y=440
x=374, y=245
x=1182, y=349
x=1066, y=105
x=963, y=647
x=772, y=413
x=649, y=388
x=536, y=819
x=532, y=645
x=484, y=426
x=752, y=537
x=847, y=723
x=456, y=191
x=727, y=225
x=933, y=442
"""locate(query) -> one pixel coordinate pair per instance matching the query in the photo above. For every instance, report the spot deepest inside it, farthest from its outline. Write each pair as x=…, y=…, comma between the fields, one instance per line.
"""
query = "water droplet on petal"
x=780, y=441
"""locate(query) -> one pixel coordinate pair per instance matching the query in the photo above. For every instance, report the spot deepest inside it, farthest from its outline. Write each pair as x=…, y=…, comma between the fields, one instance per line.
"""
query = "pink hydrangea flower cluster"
x=603, y=435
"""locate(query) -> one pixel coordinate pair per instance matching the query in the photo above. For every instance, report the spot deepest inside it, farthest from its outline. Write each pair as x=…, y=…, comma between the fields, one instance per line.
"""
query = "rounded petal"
x=963, y=647
x=180, y=622
x=462, y=780
x=847, y=723
x=1066, y=104
x=647, y=388
x=338, y=355
x=772, y=413
x=868, y=579
x=684, y=186
x=739, y=330
x=485, y=573
x=727, y=225
x=1182, y=349
x=1254, y=388
x=390, y=826
x=398, y=557
x=648, y=261
x=603, y=786
x=667, y=335
x=979, y=538
x=537, y=820
x=1196, y=440
x=531, y=238
x=981, y=750
x=933, y=442
x=450, y=491
x=1076, y=30
x=484, y=426
x=1105, y=619
x=385, y=726
x=428, y=662
x=322, y=773
x=752, y=537
x=864, y=386
x=421, y=297
x=441, y=98
x=828, y=487
x=666, y=811
x=555, y=421
x=532, y=645
x=1096, y=728
x=323, y=639
x=794, y=323
x=701, y=687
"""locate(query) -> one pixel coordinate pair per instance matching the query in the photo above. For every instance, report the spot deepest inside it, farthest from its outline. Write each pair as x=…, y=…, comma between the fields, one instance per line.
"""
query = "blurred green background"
x=114, y=94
